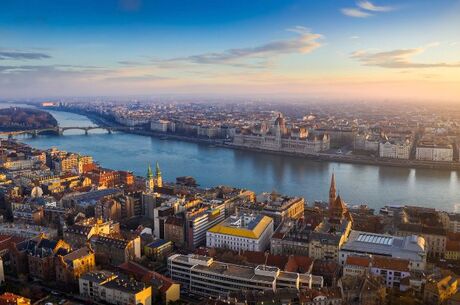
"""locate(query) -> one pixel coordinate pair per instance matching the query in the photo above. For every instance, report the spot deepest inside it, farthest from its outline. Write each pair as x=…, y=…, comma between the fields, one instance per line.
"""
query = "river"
x=375, y=186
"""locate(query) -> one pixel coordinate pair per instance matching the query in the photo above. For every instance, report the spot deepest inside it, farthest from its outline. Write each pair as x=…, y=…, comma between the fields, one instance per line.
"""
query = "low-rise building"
x=78, y=234
x=113, y=250
x=396, y=148
x=411, y=248
x=438, y=291
x=158, y=249
x=71, y=266
x=9, y=298
x=204, y=276
x=114, y=289
x=278, y=207
x=434, y=150
x=241, y=232
x=42, y=257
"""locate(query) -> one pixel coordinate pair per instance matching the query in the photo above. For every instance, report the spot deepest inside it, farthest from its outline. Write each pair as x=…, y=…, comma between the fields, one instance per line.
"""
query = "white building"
x=411, y=248
x=159, y=125
x=244, y=232
x=200, y=221
x=393, y=270
x=204, y=276
x=113, y=289
x=430, y=151
x=395, y=148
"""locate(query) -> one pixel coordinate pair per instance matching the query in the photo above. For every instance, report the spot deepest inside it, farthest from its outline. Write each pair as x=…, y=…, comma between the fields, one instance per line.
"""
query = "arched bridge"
x=60, y=130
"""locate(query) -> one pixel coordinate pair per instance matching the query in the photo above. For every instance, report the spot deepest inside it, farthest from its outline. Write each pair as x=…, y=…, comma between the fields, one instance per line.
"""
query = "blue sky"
x=325, y=49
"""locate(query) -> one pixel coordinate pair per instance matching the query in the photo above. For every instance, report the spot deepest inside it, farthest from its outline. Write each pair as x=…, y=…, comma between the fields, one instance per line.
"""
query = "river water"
x=373, y=185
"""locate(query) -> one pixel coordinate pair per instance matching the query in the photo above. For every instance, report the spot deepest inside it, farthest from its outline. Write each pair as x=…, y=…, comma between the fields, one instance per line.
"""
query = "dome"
x=36, y=192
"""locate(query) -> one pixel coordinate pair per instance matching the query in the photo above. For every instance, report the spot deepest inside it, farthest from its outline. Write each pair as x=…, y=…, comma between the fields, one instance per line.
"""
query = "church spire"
x=332, y=190
x=149, y=183
x=149, y=172
x=158, y=175
x=157, y=169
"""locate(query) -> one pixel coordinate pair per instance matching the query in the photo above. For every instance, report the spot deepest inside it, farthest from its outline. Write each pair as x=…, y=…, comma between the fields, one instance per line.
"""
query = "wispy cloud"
x=365, y=9
x=21, y=55
x=354, y=12
x=369, y=6
x=399, y=59
x=257, y=56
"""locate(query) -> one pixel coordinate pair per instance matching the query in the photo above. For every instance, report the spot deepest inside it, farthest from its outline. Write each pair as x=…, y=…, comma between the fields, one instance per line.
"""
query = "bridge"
x=60, y=130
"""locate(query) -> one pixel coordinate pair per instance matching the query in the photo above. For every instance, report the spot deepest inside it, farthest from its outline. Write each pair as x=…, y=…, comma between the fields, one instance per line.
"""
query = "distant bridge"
x=60, y=130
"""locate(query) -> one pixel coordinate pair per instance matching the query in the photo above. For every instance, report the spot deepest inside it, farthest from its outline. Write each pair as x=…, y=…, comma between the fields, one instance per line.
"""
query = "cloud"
x=365, y=9
x=369, y=6
x=255, y=57
x=147, y=77
x=354, y=12
x=398, y=59
x=22, y=55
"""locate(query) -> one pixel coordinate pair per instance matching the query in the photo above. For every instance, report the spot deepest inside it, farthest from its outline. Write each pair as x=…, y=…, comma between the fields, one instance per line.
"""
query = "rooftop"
x=247, y=226
x=409, y=247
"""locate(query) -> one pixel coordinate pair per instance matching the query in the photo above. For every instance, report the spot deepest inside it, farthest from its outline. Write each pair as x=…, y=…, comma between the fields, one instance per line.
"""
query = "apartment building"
x=114, y=289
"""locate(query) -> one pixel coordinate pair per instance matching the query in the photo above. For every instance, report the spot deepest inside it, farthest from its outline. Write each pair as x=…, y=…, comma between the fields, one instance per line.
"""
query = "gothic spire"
x=332, y=190
x=157, y=169
x=149, y=172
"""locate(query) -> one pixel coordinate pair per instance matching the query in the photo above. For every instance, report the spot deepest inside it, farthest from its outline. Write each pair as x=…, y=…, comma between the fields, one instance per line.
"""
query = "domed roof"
x=36, y=192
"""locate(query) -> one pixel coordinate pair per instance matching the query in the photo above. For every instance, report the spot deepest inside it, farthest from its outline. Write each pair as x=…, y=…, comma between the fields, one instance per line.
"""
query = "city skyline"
x=328, y=50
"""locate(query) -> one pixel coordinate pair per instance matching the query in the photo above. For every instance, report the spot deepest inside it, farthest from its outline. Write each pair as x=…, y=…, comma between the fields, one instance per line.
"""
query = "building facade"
x=241, y=232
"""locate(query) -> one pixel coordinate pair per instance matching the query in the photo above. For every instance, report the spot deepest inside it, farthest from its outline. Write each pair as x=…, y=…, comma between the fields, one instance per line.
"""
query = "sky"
x=364, y=50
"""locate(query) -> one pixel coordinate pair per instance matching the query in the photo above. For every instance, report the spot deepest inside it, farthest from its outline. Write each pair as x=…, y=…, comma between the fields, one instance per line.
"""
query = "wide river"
x=374, y=185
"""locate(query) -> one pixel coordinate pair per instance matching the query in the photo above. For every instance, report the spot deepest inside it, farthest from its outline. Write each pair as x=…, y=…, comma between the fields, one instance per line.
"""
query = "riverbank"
x=357, y=159
x=320, y=157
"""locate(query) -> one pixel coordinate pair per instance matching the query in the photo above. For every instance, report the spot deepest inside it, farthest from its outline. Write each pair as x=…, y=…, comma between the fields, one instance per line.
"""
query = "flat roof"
x=408, y=247
x=254, y=229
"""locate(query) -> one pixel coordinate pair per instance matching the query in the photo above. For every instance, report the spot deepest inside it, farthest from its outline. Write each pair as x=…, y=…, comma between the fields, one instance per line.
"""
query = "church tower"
x=158, y=175
x=332, y=191
x=149, y=183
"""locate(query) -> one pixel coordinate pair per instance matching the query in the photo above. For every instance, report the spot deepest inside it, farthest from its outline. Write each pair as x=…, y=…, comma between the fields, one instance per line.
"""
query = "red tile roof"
x=362, y=261
x=390, y=263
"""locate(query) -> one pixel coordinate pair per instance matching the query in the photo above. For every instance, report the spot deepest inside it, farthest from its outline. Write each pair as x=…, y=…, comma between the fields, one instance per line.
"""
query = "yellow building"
x=9, y=298
x=70, y=267
x=158, y=249
x=437, y=292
